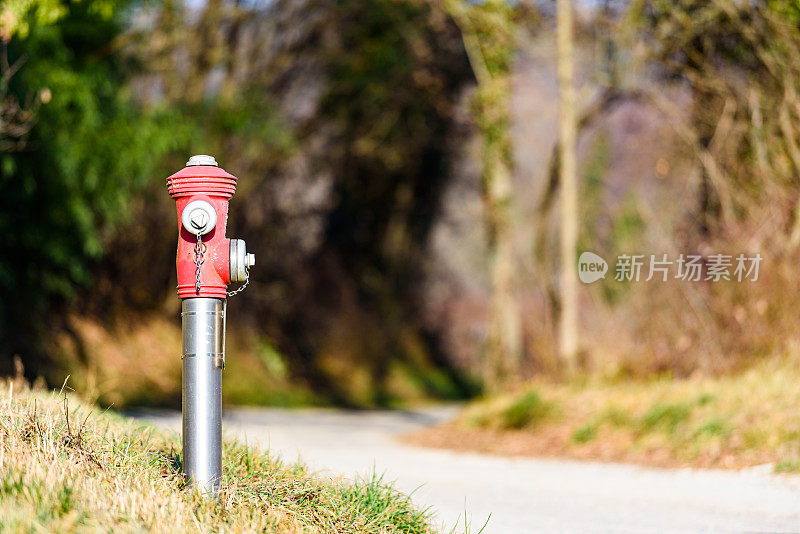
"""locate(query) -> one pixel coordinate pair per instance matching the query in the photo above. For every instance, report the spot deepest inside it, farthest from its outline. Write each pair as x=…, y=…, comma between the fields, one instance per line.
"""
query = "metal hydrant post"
x=207, y=262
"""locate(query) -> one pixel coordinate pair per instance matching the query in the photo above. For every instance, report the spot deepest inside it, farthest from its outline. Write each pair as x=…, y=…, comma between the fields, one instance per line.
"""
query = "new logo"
x=591, y=267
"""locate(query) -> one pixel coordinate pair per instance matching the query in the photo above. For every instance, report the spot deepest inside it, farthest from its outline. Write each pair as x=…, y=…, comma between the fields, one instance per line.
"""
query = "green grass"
x=64, y=467
x=787, y=466
x=586, y=433
x=665, y=417
x=527, y=411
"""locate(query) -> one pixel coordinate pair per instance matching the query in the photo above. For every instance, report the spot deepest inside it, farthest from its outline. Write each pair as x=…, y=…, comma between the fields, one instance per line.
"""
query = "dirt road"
x=521, y=494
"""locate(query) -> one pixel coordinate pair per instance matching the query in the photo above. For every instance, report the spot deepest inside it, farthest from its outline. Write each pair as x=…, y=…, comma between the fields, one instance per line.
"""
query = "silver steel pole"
x=203, y=346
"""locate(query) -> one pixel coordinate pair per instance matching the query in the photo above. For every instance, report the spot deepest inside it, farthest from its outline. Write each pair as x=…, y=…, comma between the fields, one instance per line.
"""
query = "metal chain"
x=199, y=258
x=241, y=288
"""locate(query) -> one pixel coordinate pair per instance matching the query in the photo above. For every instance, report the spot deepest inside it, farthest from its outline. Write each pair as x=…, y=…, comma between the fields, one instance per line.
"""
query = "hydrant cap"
x=202, y=159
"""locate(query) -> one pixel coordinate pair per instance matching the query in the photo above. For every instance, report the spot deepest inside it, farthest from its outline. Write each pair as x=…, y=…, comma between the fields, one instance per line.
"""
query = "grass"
x=745, y=419
x=103, y=362
x=528, y=410
x=65, y=467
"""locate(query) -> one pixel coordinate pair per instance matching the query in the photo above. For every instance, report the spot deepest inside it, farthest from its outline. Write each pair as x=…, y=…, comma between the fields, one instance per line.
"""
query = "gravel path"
x=521, y=494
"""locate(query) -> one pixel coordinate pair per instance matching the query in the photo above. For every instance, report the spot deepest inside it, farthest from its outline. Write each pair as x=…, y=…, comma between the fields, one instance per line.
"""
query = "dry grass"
x=103, y=361
x=735, y=421
x=65, y=467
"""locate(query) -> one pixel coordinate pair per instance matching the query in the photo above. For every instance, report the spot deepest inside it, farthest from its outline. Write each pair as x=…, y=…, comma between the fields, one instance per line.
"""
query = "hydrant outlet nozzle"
x=199, y=217
x=241, y=260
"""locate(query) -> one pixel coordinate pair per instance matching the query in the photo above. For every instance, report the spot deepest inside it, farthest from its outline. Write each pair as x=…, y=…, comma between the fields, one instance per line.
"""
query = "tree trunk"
x=568, y=325
x=504, y=337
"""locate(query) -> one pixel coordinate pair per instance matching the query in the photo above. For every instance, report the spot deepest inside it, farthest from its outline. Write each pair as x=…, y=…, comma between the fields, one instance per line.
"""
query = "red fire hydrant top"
x=214, y=185
x=203, y=179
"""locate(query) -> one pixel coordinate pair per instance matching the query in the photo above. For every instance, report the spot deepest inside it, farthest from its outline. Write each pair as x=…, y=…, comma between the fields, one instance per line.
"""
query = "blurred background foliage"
x=399, y=185
x=335, y=115
x=79, y=151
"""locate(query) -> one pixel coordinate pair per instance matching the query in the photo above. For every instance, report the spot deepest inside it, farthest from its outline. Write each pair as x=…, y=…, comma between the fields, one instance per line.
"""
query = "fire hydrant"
x=207, y=262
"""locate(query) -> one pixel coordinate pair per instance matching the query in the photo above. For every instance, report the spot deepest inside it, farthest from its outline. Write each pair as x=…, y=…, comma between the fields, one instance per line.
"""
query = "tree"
x=67, y=182
x=365, y=93
x=568, y=325
x=487, y=30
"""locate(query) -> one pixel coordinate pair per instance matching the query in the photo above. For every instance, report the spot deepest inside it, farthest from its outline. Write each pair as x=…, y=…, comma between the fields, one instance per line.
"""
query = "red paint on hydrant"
x=215, y=186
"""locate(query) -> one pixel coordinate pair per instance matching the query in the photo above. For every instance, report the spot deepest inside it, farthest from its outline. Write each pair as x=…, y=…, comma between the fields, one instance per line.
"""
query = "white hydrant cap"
x=202, y=159
x=199, y=217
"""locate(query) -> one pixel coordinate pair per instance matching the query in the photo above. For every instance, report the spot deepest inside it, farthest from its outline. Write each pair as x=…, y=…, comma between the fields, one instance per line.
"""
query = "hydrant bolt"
x=199, y=219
